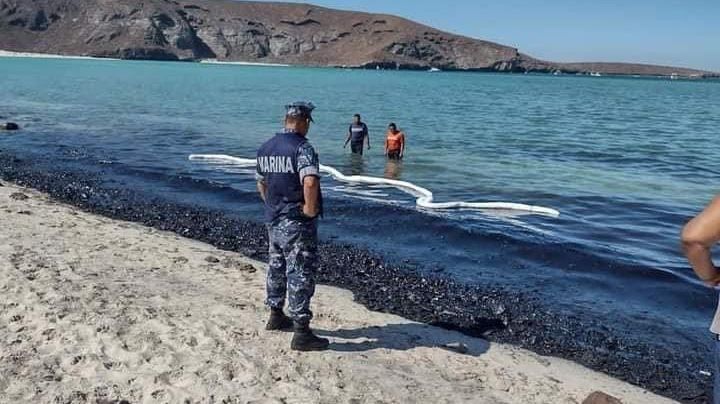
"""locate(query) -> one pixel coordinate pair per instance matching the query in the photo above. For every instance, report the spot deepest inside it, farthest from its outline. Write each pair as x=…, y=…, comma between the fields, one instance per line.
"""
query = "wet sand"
x=99, y=309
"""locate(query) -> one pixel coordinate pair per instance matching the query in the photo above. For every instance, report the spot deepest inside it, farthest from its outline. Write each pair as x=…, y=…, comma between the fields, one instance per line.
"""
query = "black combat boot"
x=278, y=321
x=304, y=340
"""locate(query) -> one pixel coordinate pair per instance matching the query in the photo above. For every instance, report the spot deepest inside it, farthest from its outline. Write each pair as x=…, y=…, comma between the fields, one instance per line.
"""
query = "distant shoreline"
x=219, y=62
x=11, y=54
x=34, y=55
x=370, y=66
x=279, y=34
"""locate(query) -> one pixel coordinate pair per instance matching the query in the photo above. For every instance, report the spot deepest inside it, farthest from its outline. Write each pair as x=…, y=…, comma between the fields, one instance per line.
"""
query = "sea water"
x=627, y=161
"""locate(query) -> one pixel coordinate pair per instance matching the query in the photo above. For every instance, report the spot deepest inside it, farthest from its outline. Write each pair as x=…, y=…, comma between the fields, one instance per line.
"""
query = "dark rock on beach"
x=599, y=397
x=19, y=196
x=482, y=310
x=285, y=33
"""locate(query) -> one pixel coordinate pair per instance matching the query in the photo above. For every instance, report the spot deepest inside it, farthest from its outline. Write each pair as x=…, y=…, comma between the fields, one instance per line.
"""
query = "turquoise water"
x=628, y=138
x=519, y=138
x=625, y=161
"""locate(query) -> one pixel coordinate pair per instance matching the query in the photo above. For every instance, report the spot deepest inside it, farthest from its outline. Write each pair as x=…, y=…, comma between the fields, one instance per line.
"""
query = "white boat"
x=434, y=70
x=595, y=74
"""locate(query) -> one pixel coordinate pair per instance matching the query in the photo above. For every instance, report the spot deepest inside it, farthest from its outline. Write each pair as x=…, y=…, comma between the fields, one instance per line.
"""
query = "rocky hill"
x=262, y=32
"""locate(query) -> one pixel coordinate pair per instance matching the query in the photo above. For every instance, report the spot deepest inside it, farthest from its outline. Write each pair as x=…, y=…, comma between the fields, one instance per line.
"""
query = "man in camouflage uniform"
x=288, y=173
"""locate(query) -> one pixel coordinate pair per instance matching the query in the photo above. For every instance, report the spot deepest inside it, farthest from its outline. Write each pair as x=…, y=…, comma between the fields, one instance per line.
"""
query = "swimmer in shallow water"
x=357, y=135
x=394, y=143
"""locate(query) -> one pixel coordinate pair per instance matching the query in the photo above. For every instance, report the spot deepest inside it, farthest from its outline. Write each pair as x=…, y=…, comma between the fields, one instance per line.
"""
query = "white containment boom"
x=424, y=196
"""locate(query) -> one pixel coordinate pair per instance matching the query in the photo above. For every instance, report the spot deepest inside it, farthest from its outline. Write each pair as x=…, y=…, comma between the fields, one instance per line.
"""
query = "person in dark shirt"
x=357, y=135
x=288, y=175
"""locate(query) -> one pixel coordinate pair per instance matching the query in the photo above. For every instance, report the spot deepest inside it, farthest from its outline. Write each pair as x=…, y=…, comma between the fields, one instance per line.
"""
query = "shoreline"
x=32, y=55
x=108, y=310
x=369, y=66
x=219, y=62
x=486, y=311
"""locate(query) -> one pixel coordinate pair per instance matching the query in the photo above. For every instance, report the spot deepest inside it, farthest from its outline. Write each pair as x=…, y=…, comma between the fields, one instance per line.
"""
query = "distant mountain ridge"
x=286, y=33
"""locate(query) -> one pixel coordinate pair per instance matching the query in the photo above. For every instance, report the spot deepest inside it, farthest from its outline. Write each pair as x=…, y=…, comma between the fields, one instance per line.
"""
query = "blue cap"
x=300, y=109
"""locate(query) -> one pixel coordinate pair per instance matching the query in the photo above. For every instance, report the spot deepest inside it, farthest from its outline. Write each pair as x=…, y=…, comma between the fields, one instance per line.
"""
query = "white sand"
x=11, y=54
x=96, y=309
x=218, y=62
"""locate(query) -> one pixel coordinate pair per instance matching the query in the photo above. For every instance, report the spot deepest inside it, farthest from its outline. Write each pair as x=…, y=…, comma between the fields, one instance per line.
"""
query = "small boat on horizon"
x=434, y=70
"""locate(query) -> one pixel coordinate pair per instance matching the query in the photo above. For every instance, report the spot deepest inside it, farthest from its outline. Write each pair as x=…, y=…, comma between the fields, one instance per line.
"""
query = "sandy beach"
x=11, y=54
x=220, y=62
x=96, y=309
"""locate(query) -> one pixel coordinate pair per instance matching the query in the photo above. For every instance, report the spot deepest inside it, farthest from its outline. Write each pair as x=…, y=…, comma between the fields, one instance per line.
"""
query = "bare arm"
x=367, y=138
x=311, y=190
x=262, y=189
x=698, y=236
x=349, y=136
x=402, y=145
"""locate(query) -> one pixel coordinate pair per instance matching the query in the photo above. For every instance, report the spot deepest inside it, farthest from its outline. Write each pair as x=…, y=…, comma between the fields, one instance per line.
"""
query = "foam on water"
x=423, y=195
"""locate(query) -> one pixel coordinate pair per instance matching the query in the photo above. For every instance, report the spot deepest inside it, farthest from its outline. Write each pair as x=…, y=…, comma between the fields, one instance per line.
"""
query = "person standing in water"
x=394, y=143
x=357, y=135
x=288, y=179
x=698, y=237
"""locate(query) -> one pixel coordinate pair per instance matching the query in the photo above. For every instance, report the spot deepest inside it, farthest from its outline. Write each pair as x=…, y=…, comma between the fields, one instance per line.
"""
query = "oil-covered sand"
x=101, y=310
x=494, y=313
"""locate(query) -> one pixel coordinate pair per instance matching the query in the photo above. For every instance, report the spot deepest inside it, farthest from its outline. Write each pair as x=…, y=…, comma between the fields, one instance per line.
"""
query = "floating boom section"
x=424, y=196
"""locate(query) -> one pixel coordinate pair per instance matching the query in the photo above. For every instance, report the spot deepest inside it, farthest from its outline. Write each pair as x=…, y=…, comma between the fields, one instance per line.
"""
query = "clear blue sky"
x=671, y=32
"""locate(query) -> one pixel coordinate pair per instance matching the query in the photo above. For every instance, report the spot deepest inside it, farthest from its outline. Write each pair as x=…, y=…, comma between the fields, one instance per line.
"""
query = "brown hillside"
x=260, y=32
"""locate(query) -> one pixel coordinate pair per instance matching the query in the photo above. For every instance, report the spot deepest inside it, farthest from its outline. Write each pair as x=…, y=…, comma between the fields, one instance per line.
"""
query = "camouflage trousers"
x=292, y=266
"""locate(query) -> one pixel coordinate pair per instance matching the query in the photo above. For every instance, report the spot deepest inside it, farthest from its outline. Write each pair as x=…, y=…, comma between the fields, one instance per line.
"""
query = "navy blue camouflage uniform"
x=283, y=162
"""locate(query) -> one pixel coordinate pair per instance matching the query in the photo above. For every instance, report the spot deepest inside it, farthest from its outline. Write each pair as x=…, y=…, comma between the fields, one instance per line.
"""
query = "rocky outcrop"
x=262, y=32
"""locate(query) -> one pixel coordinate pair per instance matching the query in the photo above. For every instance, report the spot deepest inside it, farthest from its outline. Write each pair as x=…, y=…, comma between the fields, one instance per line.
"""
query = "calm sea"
x=625, y=160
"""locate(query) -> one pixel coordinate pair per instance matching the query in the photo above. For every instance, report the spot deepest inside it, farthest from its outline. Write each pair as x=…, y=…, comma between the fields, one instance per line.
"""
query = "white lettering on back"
x=276, y=164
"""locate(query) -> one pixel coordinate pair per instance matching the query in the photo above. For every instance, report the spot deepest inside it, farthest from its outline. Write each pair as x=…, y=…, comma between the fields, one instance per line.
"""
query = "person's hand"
x=713, y=282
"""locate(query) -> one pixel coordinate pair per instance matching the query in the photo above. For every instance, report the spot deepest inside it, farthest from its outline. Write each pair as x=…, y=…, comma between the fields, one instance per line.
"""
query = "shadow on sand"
x=402, y=337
